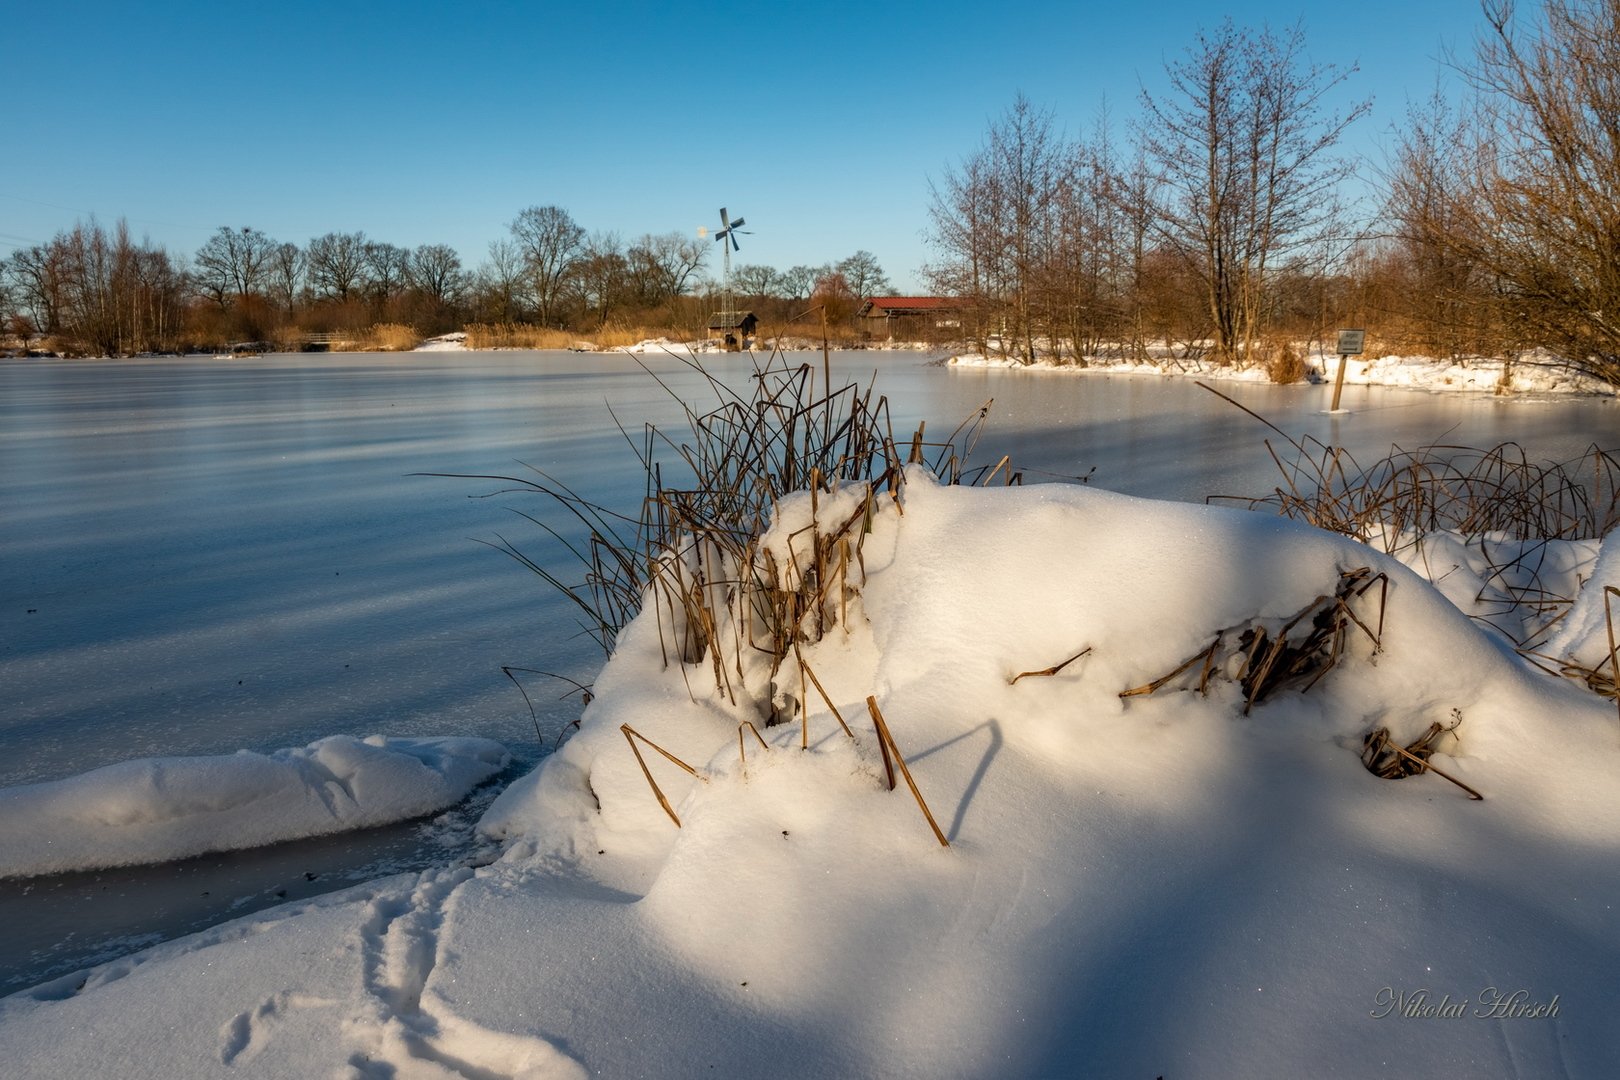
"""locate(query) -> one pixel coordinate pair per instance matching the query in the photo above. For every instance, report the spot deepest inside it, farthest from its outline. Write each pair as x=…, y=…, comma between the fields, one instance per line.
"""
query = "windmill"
x=728, y=232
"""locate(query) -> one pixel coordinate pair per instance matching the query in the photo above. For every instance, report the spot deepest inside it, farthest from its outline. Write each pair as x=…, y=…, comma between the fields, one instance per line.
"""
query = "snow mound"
x=1583, y=638
x=158, y=809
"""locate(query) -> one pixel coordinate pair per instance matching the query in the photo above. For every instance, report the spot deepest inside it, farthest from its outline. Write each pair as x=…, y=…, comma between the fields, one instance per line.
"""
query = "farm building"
x=888, y=317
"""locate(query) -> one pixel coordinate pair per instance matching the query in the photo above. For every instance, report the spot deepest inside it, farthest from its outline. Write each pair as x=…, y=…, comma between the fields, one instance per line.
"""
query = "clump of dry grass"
x=516, y=336
x=725, y=604
x=1386, y=758
x=1284, y=364
x=388, y=337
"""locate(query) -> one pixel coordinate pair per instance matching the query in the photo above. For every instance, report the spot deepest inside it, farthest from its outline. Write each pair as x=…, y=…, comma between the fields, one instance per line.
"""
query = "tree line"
x=96, y=290
x=1216, y=222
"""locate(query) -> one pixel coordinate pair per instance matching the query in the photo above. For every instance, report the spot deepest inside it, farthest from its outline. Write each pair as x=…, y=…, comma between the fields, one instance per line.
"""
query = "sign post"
x=1350, y=344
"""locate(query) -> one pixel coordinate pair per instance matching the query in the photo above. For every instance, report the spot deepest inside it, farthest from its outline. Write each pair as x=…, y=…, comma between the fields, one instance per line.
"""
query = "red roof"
x=879, y=306
x=915, y=301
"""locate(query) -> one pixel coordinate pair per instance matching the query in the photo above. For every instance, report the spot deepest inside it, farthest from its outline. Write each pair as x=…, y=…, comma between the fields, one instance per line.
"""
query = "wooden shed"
x=887, y=317
x=733, y=328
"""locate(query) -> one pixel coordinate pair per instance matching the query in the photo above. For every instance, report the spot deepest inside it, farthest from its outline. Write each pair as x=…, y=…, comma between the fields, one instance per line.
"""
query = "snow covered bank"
x=1198, y=881
x=1411, y=372
x=158, y=809
x=453, y=342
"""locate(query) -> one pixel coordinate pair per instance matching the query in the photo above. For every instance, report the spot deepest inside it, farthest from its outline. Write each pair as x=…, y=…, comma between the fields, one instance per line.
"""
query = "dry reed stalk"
x=805, y=668
x=1053, y=670
x=742, y=755
x=1005, y=458
x=886, y=740
x=1389, y=760
x=1206, y=655
x=1271, y=661
x=630, y=736
x=1614, y=655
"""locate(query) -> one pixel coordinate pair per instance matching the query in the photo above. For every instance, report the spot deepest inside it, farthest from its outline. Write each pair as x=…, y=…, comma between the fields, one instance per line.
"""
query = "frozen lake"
x=199, y=556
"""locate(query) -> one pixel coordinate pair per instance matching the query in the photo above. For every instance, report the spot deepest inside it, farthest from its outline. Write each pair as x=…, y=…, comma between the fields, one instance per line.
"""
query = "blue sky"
x=425, y=123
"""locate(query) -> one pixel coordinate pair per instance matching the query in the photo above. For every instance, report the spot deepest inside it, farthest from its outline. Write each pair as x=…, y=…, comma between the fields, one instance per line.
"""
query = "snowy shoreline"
x=1529, y=378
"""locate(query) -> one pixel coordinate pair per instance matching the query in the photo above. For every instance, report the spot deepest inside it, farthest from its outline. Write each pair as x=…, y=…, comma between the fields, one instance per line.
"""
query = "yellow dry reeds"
x=529, y=336
x=389, y=337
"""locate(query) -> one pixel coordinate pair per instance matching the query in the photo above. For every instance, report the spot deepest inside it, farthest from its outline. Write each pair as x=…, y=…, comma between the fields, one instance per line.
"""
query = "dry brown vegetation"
x=529, y=336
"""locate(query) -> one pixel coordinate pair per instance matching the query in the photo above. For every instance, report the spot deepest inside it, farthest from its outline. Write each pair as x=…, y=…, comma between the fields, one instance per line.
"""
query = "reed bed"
x=528, y=336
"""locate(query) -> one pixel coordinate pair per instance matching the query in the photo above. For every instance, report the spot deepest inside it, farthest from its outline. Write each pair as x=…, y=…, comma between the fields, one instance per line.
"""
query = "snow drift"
x=157, y=809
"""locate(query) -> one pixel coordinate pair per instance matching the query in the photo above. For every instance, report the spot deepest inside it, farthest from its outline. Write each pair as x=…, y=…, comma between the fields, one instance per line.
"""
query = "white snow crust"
x=157, y=809
x=1149, y=886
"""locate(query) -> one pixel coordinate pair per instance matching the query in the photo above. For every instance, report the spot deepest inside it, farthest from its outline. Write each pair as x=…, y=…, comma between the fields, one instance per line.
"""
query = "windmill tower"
x=728, y=243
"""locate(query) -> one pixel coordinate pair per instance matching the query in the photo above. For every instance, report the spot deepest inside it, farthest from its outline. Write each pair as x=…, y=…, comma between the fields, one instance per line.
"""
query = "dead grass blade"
x=1053, y=670
x=630, y=736
x=886, y=740
x=1386, y=758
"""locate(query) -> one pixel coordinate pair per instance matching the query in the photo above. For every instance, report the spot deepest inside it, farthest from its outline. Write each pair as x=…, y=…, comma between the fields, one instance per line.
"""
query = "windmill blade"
x=733, y=234
x=724, y=222
x=739, y=223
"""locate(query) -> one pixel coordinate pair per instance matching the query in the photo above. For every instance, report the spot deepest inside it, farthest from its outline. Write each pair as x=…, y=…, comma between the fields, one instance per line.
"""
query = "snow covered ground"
x=160, y=809
x=1161, y=884
x=1535, y=375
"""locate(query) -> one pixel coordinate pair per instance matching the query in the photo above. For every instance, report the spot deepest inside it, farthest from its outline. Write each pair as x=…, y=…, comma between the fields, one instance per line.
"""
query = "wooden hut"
x=733, y=328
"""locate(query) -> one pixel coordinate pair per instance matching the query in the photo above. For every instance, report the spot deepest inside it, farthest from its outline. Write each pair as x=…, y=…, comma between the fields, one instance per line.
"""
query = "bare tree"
x=388, y=271
x=994, y=225
x=797, y=282
x=337, y=265
x=436, y=271
x=550, y=243
x=39, y=274
x=287, y=265
x=500, y=281
x=232, y=264
x=1441, y=298
x=864, y=275
x=754, y=281
x=1242, y=142
x=600, y=276
x=1539, y=205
